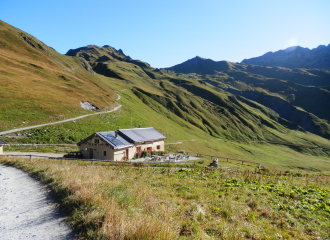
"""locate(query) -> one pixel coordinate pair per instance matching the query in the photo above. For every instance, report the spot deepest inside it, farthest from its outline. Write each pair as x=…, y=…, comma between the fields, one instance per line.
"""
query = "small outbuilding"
x=121, y=144
x=2, y=143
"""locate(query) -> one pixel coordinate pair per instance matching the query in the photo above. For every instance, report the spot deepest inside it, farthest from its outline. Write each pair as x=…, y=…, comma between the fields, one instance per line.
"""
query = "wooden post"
x=30, y=157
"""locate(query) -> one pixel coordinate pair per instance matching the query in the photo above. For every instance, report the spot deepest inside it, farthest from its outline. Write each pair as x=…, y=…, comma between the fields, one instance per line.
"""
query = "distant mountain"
x=295, y=57
x=300, y=96
x=202, y=66
x=213, y=110
x=106, y=60
x=220, y=99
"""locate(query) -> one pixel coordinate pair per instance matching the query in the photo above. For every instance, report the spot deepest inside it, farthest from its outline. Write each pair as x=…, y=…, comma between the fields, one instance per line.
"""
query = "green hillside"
x=197, y=111
x=207, y=104
x=39, y=85
x=297, y=95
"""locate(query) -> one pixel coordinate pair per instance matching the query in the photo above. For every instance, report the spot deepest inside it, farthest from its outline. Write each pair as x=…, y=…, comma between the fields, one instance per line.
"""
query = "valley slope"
x=300, y=96
x=213, y=96
x=39, y=85
x=217, y=108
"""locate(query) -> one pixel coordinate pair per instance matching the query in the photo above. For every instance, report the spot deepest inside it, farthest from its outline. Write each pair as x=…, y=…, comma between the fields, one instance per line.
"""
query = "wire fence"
x=242, y=161
x=97, y=160
x=226, y=158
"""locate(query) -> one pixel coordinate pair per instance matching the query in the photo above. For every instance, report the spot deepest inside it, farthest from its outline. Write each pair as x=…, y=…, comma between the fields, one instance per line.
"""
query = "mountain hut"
x=121, y=144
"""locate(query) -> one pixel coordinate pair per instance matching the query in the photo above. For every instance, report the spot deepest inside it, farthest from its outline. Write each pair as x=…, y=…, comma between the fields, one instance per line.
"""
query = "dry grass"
x=115, y=202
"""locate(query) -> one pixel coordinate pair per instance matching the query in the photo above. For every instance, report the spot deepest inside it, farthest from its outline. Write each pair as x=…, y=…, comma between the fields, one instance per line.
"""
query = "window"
x=104, y=153
x=97, y=141
x=158, y=147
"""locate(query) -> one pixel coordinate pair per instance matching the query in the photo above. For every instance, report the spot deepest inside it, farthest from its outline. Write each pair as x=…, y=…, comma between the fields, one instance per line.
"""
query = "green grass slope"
x=39, y=85
x=300, y=96
x=199, y=102
x=308, y=152
x=198, y=111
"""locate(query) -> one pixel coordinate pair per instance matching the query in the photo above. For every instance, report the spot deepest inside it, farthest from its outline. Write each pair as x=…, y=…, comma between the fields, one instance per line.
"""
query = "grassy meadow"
x=288, y=198
x=181, y=135
x=134, y=202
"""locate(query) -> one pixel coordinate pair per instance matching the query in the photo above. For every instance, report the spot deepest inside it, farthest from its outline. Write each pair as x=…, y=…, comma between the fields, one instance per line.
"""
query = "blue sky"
x=166, y=33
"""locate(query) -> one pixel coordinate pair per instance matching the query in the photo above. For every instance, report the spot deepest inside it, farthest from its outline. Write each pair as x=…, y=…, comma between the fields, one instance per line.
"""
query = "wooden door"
x=127, y=151
x=91, y=156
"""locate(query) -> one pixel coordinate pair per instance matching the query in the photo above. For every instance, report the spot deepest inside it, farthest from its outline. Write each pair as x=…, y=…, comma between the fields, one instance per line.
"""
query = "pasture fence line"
x=40, y=144
x=227, y=158
x=96, y=160
x=144, y=162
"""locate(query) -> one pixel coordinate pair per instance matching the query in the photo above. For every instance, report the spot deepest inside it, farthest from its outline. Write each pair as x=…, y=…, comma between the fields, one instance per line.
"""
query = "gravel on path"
x=27, y=210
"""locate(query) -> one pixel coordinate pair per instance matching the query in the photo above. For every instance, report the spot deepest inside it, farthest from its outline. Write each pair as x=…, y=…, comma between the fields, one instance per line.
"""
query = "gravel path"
x=27, y=210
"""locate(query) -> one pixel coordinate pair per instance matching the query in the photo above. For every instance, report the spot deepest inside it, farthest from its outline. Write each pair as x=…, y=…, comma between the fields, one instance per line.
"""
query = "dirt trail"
x=27, y=210
x=66, y=120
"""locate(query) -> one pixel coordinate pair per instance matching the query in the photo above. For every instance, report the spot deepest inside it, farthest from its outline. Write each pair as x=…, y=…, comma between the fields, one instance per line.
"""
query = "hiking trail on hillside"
x=62, y=121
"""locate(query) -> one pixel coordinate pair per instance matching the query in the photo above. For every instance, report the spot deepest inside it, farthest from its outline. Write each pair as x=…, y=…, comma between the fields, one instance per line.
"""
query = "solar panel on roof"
x=112, y=139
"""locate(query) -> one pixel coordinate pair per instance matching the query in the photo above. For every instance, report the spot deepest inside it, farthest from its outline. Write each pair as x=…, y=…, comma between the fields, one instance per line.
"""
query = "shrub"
x=144, y=154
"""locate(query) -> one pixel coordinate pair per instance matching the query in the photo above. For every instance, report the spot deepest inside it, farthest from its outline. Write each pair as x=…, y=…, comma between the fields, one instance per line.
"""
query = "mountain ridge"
x=295, y=57
x=203, y=104
x=289, y=92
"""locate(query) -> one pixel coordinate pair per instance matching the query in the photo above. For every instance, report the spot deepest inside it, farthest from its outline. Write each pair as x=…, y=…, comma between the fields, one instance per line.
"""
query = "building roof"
x=2, y=142
x=127, y=137
x=141, y=134
x=112, y=140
